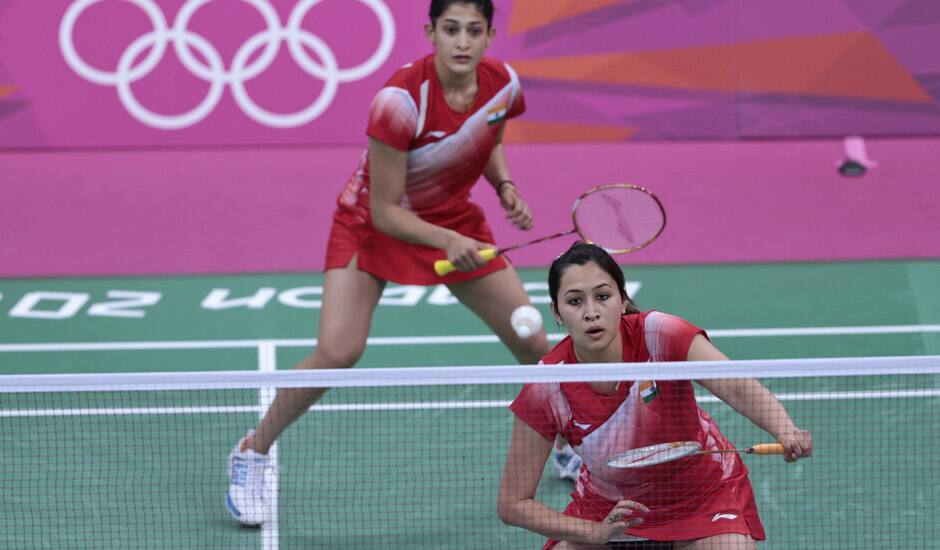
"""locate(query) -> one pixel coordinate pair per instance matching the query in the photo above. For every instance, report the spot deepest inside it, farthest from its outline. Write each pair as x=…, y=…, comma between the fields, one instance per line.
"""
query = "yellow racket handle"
x=443, y=267
x=766, y=449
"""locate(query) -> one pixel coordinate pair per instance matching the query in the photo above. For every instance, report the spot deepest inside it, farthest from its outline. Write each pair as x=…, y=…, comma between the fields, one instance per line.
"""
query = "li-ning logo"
x=213, y=70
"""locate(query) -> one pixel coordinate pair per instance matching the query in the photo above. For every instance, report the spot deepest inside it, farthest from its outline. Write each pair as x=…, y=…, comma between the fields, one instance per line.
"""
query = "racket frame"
x=690, y=448
x=685, y=448
x=443, y=267
x=577, y=229
x=630, y=186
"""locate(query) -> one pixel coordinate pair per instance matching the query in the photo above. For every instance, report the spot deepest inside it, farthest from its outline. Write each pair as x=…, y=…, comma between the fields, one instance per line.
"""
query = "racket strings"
x=652, y=455
x=619, y=218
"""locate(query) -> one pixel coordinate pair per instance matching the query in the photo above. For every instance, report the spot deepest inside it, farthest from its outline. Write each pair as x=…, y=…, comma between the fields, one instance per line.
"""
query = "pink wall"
x=150, y=73
x=87, y=186
x=254, y=210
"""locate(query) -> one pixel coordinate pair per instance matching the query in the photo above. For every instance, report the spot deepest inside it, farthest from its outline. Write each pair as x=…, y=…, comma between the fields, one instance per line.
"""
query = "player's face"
x=590, y=306
x=460, y=36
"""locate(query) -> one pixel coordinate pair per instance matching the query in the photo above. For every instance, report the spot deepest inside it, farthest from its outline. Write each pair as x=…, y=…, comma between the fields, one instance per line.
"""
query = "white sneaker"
x=567, y=463
x=247, y=499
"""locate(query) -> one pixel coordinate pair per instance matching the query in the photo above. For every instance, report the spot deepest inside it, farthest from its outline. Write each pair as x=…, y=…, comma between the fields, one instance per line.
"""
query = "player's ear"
x=490, y=33
x=557, y=317
x=429, y=31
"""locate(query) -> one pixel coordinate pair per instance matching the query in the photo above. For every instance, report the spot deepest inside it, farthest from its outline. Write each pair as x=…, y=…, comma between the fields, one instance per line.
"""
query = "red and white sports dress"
x=690, y=498
x=447, y=153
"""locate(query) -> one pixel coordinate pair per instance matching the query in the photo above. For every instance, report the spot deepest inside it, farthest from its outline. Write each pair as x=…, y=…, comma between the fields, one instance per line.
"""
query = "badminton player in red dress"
x=701, y=501
x=434, y=130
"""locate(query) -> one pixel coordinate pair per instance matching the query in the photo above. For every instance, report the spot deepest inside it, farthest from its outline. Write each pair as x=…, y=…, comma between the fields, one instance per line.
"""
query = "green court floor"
x=147, y=471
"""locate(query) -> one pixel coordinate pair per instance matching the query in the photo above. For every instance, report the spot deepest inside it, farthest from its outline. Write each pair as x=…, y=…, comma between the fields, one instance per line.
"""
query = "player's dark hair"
x=581, y=253
x=485, y=7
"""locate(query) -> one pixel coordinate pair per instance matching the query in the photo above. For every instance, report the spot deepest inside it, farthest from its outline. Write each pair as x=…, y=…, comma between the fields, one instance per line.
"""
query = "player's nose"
x=591, y=314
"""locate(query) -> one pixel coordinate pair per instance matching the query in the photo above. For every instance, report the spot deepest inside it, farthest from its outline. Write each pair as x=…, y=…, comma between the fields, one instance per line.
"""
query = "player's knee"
x=338, y=357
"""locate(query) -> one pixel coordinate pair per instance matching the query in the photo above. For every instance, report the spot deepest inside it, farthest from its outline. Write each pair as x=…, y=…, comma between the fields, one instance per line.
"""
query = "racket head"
x=653, y=454
x=618, y=217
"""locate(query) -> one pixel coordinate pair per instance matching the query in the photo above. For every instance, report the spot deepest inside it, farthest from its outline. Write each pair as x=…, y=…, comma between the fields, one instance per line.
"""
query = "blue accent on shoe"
x=231, y=506
x=567, y=463
x=239, y=471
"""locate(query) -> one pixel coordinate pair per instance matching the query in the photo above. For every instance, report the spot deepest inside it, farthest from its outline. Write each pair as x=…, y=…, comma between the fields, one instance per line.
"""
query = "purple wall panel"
x=269, y=210
x=218, y=178
x=682, y=68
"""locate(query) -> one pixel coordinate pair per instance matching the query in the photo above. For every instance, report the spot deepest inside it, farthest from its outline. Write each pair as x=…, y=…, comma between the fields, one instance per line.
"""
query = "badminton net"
x=412, y=458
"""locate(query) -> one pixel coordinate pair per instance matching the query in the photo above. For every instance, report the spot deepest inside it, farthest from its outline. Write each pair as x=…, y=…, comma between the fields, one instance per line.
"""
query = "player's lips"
x=595, y=332
x=463, y=58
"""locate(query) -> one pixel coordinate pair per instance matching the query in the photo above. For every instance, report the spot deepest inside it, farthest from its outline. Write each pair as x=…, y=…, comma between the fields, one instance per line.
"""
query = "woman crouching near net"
x=700, y=501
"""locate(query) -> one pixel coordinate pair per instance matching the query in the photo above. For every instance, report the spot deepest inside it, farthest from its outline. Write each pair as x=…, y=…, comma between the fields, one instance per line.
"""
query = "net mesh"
x=412, y=458
x=619, y=218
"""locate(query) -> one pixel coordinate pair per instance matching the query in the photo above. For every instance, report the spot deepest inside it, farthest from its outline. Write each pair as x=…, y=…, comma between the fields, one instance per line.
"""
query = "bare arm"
x=517, y=506
x=388, y=167
x=497, y=169
x=496, y=172
x=755, y=402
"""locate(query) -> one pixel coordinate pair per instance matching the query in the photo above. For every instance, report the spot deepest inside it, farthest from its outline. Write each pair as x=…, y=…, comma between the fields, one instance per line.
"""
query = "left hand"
x=517, y=211
x=796, y=443
x=625, y=515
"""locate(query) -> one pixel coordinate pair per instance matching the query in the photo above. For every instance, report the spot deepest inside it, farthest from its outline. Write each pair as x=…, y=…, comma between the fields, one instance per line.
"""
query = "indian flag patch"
x=648, y=390
x=496, y=114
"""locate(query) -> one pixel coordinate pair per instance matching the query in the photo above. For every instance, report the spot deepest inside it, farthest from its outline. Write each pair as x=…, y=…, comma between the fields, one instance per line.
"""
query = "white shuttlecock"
x=526, y=321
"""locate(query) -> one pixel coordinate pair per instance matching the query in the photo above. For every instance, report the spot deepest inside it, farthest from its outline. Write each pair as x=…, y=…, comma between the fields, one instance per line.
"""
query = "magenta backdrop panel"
x=172, y=72
x=119, y=73
x=261, y=210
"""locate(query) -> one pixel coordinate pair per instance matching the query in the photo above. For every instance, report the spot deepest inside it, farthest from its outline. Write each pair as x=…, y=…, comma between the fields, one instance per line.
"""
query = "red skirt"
x=392, y=259
x=730, y=509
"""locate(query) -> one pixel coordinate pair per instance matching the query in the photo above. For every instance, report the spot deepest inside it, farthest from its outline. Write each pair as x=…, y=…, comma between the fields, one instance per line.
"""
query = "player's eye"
x=475, y=31
x=451, y=30
x=602, y=296
x=574, y=301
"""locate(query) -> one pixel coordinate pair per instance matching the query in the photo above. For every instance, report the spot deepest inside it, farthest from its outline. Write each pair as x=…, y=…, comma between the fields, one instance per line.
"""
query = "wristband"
x=499, y=186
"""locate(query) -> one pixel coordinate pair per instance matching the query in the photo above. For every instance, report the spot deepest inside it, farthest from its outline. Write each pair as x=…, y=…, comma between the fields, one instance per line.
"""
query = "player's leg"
x=493, y=298
x=349, y=299
x=727, y=541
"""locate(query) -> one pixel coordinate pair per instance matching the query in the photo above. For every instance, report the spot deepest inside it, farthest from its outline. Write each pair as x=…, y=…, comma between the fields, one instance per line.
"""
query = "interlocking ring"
x=213, y=70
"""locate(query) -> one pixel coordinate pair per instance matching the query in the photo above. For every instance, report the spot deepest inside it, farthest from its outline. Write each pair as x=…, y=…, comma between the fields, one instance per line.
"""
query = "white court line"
x=425, y=406
x=267, y=362
x=441, y=340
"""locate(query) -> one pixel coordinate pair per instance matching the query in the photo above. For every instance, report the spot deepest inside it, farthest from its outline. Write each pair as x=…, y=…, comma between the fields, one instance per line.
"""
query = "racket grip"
x=443, y=267
x=766, y=449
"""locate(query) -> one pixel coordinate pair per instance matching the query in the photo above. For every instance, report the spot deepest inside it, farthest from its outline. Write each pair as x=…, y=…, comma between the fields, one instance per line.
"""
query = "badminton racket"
x=667, y=452
x=618, y=217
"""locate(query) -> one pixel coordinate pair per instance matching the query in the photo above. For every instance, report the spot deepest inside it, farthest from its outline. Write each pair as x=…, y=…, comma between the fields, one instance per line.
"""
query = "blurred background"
x=167, y=182
x=125, y=151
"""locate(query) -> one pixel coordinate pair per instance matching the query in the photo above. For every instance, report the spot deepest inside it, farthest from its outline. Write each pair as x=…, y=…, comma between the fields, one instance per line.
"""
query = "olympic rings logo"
x=213, y=70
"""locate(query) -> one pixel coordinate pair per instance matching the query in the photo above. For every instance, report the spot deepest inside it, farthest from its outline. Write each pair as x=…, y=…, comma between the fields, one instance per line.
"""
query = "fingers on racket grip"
x=443, y=267
x=767, y=449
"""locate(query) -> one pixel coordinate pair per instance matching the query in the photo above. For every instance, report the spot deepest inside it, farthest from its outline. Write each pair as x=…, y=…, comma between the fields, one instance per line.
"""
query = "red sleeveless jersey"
x=683, y=495
x=447, y=154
